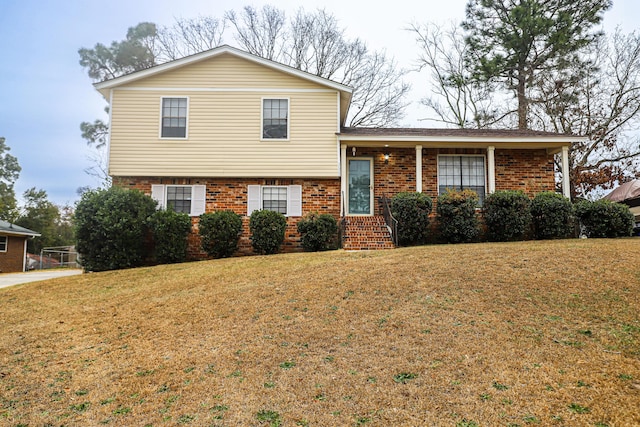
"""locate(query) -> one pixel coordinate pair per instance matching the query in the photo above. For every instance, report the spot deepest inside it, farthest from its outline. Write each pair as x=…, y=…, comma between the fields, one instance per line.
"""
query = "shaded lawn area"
x=508, y=334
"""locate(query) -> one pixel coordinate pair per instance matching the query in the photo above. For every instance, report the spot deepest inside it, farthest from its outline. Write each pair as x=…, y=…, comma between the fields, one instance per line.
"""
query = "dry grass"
x=535, y=333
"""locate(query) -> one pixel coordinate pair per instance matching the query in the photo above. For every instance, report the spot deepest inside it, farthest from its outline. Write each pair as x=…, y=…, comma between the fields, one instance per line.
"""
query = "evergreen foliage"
x=605, y=218
x=412, y=212
x=111, y=228
x=552, y=216
x=507, y=215
x=220, y=232
x=170, y=230
x=456, y=213
x=267, y=231
x=318, y=232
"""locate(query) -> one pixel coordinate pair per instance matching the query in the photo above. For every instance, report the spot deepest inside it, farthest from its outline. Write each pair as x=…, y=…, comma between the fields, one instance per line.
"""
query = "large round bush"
x=267, y=231
x=318, y=232
x=412, y=212
x=220, y=232
x=605, y=218
x=111, y=228
x=457, y=219
x=507, y=215
x=170, y=230
x=552, y=216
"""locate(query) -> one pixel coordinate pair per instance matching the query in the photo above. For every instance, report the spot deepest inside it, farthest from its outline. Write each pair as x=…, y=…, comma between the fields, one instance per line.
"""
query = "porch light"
x=386, y=158
x=353, y=151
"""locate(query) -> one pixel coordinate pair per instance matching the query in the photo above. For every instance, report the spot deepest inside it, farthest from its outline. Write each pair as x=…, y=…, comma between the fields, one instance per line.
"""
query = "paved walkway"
x=10, y=279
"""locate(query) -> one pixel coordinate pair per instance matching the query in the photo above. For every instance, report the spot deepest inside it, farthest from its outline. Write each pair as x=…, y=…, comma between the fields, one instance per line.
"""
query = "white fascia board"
x=486, y=140
x=18, y=233
x=108, y=84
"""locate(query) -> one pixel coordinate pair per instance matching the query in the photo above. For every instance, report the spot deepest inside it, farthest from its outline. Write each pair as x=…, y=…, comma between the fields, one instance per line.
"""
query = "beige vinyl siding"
x=224, y=130
x=224, y=71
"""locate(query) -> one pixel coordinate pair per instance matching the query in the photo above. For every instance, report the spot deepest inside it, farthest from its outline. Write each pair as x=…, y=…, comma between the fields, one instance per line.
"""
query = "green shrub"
x=412, y=212
x=170, y=230
x=605, y=218
x=267, y=231
x=220, y=232
x=552, y=215
x=507, y=215
x=456, y=213
x=318, y=232
x=111, y=228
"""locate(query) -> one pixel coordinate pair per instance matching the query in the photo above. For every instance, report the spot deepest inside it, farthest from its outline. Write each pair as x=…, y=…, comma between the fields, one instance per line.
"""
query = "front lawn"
x=514, y=334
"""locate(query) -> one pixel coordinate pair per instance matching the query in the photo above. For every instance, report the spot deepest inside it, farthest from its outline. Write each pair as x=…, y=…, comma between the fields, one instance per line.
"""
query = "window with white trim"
x=3, y=243
x=275, y=118
x=286, y=199
x=274, y=199
x=462, y=173
x=174, y=118
x=189, y=199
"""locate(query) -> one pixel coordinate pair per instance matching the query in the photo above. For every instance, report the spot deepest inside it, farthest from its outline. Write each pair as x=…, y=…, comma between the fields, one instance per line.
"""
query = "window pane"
x=275, y=199
x=275, y=118
x=179, y=199
x=174, y=117
x=460, y=173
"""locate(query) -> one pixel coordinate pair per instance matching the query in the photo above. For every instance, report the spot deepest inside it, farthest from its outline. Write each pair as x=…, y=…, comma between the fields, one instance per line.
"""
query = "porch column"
x=566, y=184
x=343, y=178
x=491, y=169
x=419, y=168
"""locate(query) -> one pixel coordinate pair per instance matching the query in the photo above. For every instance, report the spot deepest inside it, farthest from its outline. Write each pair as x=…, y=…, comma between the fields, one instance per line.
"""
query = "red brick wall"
x=531, y=171
x=12, y=260
x=319, y=195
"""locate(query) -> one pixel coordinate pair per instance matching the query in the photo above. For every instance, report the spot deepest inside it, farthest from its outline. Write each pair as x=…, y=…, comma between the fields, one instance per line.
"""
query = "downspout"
x=419, y=168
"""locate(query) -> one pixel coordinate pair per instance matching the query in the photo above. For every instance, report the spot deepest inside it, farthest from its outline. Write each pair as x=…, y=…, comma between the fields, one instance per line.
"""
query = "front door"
x=360, y=187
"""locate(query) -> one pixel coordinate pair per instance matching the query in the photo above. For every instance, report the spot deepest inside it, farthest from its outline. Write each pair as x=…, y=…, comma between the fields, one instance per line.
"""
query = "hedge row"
x=119, y=228
x=507, y=216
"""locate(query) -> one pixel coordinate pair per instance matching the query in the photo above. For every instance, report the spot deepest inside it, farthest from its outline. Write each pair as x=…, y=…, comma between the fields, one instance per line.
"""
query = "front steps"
x=365, y=233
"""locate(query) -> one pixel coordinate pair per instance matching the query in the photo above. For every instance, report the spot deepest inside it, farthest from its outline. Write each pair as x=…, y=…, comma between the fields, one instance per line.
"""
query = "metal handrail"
x=391, y=222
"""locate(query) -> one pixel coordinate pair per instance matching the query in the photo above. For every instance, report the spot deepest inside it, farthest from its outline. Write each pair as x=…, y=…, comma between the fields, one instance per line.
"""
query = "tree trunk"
x=522, y=102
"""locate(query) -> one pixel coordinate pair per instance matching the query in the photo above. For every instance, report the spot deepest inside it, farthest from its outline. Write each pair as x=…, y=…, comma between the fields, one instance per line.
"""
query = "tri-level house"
x=225, y=129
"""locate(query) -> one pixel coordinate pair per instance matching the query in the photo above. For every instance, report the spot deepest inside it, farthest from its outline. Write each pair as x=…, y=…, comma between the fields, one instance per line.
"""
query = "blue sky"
x=45, y=94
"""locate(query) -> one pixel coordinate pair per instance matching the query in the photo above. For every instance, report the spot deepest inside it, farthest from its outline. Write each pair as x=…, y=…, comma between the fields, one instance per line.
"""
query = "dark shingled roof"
x=8, y=228
x=435, y=132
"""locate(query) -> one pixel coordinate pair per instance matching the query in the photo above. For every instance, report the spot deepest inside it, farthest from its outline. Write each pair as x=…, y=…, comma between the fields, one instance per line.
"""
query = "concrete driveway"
x=10, y=279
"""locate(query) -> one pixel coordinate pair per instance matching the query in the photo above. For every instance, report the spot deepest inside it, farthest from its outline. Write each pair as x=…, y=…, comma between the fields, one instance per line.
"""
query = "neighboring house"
x=225, y=129
x=628, y=194
x=13, y=247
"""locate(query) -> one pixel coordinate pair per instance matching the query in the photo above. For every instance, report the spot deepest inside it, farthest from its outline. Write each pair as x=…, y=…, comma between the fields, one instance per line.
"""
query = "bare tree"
x=601, y=101
x=189, y=36
x=260, y=32
x=457, y=99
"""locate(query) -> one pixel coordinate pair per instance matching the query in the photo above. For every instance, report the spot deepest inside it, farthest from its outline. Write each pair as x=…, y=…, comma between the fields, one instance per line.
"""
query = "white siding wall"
x=224, y=132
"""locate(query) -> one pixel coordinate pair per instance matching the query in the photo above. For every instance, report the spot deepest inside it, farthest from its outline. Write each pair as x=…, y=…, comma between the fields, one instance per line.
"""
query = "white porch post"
x=343, y=178
x=566, y=184
x=491, y=169
x=419, y=168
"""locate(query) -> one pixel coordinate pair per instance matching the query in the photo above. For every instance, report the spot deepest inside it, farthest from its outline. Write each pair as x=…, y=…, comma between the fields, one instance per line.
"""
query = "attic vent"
x=270, y=182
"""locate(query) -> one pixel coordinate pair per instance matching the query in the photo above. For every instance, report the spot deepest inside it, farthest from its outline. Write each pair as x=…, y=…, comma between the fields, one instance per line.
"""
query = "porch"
x=378, y=163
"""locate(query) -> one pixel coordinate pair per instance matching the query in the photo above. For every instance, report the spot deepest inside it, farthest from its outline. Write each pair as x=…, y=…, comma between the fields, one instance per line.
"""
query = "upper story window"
x=275, y=119
x=174, y=118
x=462, y=173
x=3, y=243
